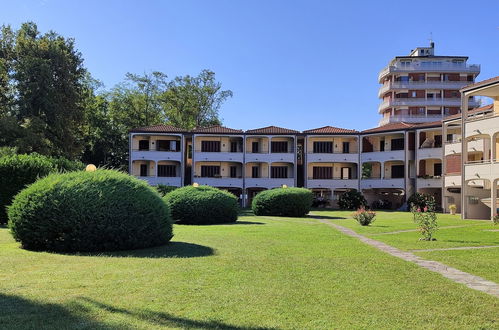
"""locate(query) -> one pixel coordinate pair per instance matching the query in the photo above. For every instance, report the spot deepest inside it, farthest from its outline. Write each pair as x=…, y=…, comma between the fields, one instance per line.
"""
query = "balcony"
x=382, y=183
x=422, y=85
x=269, y=183
x=410, y=119
x=452, y=147
x=219, y=181
x=168, y=181
x=428, y=153
x=482, y=169
x=156, y=155
x=333, y=183
x=288, y=157
x=200, y=156
x=430, y=67
x=423, y=102
x=382, y=156
x=429, y=182
x=332, y=157
x=452, y=180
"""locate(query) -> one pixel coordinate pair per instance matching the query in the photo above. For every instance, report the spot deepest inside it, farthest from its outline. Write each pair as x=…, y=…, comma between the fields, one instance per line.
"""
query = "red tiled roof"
x=481, y=83
x=429, y=125
x=458, y=115
x=389, y=127
x=217, y=129
x=158, y=129
x=330, y=130
x=271, y=130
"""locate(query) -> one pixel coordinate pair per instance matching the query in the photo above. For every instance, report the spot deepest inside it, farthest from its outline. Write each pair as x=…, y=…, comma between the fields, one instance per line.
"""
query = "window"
x=382, y=145
x=210, y=146
x=397, y=144
x=450, y=137
x=167, y=145
x=413, y=94
x=346, y=147
x=255, y=147
x=322, y=172
x=346, y=173
x=233, y=171
x=233, y=146
x=397, y=171
x=438, y=141
x=210, y=171
x=167, y=171
x=421, y=111
x=143, y=144
x=255, y=171
x=279, y=172
x=323, y=147
x=279, y=146
x=143, y=169
x=437, y=169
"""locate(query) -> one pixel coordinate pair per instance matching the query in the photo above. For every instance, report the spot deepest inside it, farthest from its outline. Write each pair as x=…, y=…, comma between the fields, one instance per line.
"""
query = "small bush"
x=421, y=201
x=89, y=211
x=495, y=219
x=363, y=217
x=18, y=171
x=164, y=189
x=352, y=200
x=426, y=218
x=202, y=205
x=286, y=202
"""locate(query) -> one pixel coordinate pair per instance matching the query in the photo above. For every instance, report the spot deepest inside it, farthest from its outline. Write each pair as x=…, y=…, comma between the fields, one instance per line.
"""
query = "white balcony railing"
x=219, y=181
x=268, y=183
x=382, y=183
x=167, y=181
x=422, y=85
x=422, y=102
x=332, y=157
x=409, y=119
x=333, y=183
x=156, y=155
x=436, y=67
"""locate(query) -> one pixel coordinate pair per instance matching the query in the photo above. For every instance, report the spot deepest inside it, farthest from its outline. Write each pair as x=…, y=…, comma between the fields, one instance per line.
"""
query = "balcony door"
x=255, y=147
x=143, y=169
x=397, y=171
x=346, y=173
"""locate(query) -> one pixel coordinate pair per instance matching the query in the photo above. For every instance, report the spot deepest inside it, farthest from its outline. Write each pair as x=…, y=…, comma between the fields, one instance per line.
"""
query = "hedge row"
x=288, y=202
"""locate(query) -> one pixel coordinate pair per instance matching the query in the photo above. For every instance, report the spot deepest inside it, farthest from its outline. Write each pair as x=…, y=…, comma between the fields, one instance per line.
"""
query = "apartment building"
x=424, y=87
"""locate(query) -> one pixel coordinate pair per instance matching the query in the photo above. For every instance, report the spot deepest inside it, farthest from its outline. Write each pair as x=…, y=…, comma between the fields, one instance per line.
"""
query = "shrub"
x=352, y=200
x=18, y=171
x=427, y=221
x=286, y=202
x=363, y=217
x=202, y=205
x=421, y=201
x=89, y=211
x=381, y=204
x=164, y=189
x=495, y=219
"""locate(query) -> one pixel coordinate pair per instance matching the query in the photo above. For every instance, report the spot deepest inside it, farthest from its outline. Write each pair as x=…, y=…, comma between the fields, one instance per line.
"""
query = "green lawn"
x=264, y=272
x=482, y=262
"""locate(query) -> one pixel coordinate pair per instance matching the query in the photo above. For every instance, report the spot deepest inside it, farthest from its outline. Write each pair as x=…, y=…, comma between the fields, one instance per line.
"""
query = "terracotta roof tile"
x=271, y=130
x=217, y=129
x=481, y=83
x=158, y=129
x=458, y=115
x=389, y=127
x=429, y=125
x=330, y=130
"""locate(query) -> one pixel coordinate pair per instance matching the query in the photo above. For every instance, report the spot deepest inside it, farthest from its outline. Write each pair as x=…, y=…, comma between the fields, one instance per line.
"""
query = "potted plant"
x=452, y=209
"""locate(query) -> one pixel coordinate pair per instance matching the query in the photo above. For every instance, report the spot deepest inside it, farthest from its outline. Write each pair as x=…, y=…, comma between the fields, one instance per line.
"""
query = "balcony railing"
x=427, y=84
x=437, y=67
x=410, y=119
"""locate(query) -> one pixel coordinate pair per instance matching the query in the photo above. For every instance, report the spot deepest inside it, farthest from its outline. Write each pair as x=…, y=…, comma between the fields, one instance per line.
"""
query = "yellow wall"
x=264, y=169
x=264, y=144
x=337, y=143
x=136, y=167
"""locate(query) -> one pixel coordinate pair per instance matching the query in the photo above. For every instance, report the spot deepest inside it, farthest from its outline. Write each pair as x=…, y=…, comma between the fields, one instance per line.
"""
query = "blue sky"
x=296, y=64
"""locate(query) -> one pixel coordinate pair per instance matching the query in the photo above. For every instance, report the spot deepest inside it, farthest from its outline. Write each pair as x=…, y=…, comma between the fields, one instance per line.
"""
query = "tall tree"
x=194, y=101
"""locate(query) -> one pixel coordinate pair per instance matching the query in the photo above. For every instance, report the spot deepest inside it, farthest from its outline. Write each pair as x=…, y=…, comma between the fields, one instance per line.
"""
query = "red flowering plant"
x=426, y=218
x=364, y=217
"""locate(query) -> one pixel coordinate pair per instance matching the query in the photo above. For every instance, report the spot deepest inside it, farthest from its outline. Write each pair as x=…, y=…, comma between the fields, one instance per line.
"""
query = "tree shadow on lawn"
x=324, y=217
x=163, y=319
x=170, y=250
x=238, y=222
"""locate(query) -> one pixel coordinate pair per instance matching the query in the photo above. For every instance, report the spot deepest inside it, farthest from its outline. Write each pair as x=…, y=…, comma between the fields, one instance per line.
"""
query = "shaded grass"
x=285, y=274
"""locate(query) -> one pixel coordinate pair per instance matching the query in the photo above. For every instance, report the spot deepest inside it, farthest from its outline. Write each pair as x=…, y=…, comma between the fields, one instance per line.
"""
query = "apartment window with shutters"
x=233, y=146
x=143, y=144
x=279, y=172
x=143, y=170
x=346, y=147
x=323, y=147
x=233, y=171
x=279, y=146
x=255, y=147
x=167, y=171
x=210, y=146
x=322, y=172
x=208, y=171
x=255, y=171
x=167, y=145
x=397, y=144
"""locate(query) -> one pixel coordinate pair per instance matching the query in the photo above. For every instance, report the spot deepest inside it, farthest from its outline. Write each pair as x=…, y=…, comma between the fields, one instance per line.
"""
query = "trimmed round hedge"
x=286, y=202
x=103, y=210
x=202, y=205
x=18, y=171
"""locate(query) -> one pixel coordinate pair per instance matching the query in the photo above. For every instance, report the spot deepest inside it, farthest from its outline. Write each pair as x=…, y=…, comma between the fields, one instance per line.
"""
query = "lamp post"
x=90, y=168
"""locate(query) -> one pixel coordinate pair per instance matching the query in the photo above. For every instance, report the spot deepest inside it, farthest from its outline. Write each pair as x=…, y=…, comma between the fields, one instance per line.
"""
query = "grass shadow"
x=170, y=250
x=238, y=222
x=167, y=320
x=325, y=217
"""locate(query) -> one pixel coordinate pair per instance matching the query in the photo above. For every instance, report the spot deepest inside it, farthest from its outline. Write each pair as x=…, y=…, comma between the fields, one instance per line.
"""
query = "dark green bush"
x=202, y=205
x=89, y=211
x=420, y=201
x=18, y=171
x=164, y=189
x=286, y=202
x=352, y=200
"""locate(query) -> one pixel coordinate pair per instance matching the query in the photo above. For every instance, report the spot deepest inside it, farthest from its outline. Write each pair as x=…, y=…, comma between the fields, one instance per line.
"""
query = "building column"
x=464, y=154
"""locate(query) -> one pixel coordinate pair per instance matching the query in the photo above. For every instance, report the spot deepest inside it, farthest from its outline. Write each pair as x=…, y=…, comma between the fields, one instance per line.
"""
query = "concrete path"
x=458, y=248
x=471, y=281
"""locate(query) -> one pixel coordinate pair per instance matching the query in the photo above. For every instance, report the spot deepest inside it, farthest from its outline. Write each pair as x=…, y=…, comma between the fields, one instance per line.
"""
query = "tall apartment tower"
x=422, y=87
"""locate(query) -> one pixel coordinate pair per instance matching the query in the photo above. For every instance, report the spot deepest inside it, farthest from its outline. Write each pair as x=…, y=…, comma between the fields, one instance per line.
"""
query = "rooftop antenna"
x=432, y=44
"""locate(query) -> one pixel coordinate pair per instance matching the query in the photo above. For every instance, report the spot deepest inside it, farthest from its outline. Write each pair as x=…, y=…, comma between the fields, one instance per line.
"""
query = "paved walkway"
x=471, y=281
x=457, y=248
